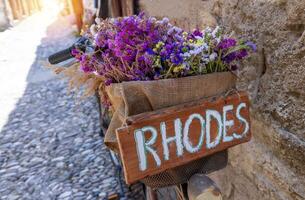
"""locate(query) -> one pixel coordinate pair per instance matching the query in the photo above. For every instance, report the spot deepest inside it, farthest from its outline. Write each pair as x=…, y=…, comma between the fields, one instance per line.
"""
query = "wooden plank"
x=20, y=9
x=156, y=141
x=78, y=10
x=14, y=9
x=116, y=10
x=30, y=6
x=39, y=4
x=36, y=4
x=127, y=7
x=25, y=7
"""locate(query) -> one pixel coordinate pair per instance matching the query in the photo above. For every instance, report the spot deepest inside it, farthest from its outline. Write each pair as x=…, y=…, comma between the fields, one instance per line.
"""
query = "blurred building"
x=84, y=11
x=15, y=10
x=4, y=20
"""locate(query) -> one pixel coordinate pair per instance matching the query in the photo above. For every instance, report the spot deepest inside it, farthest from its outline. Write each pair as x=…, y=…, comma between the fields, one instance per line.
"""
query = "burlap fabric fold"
x=135, y=97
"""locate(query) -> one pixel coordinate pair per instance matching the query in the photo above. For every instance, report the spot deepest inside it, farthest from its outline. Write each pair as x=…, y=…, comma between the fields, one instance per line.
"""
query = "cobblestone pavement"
x=50, y=146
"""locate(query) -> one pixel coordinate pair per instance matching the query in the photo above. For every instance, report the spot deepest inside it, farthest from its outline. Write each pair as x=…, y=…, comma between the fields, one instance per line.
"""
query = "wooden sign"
x=159, y=140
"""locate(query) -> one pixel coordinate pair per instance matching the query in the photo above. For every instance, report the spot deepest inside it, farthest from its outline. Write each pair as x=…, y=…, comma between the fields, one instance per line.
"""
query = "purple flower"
x=227, y=43
x=237, y=55
x=150, y=51
x=230, y=57
x=141, y=14
x=241, y=54
x=108, y=82
x=176, y=59
x=87, y=63
x=164, y=21
x=251, y=45
x=140, y=73
x=127, y=48
x=76, y=54
x=139, y=48
x=197, y=32
x=85, y=69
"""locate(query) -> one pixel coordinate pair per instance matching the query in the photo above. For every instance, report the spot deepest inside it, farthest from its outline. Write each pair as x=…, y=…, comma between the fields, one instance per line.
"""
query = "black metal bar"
x=136, y=7
x=103, y=9
x=60, y=56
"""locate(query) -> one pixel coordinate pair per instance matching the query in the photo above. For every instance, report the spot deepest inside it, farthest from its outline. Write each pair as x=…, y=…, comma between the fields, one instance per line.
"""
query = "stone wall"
x=272, y=165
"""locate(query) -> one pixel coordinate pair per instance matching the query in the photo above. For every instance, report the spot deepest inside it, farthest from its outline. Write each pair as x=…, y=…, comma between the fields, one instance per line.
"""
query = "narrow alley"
x=50, y=147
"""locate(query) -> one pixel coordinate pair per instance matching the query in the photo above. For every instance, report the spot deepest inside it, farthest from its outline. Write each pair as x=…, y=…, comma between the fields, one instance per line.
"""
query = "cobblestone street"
x=50, y=147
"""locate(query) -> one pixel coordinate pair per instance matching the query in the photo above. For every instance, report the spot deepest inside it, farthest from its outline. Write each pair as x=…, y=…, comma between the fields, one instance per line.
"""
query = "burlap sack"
x=135, y=97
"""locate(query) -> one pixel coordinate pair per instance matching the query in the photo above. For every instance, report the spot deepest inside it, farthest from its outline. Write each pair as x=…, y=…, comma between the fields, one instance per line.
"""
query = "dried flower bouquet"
x=141, y=48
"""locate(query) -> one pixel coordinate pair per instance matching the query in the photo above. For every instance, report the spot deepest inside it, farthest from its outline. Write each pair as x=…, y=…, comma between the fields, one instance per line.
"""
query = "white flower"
x=207, y=30
x=177, y=29
x=98, y=20
x=205, y=46
x=187, y=55
x=215, y=31
x=165, y=20
x=170, y=31
x=205, y=60
x=196, y=51
x=153, y=19
x=213, y=56
x=93, y=29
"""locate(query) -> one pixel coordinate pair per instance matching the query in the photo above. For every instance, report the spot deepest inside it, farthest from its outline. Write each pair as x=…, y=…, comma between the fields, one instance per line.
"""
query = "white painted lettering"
x=227, y=123
x=177, y=138
x=143, y=147
x=182, y=138
x=187, y=143
x=215, y=114
x=246, y=130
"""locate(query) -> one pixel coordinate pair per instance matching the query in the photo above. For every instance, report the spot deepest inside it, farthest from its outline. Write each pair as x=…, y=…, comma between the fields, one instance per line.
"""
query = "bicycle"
x=198, y=187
